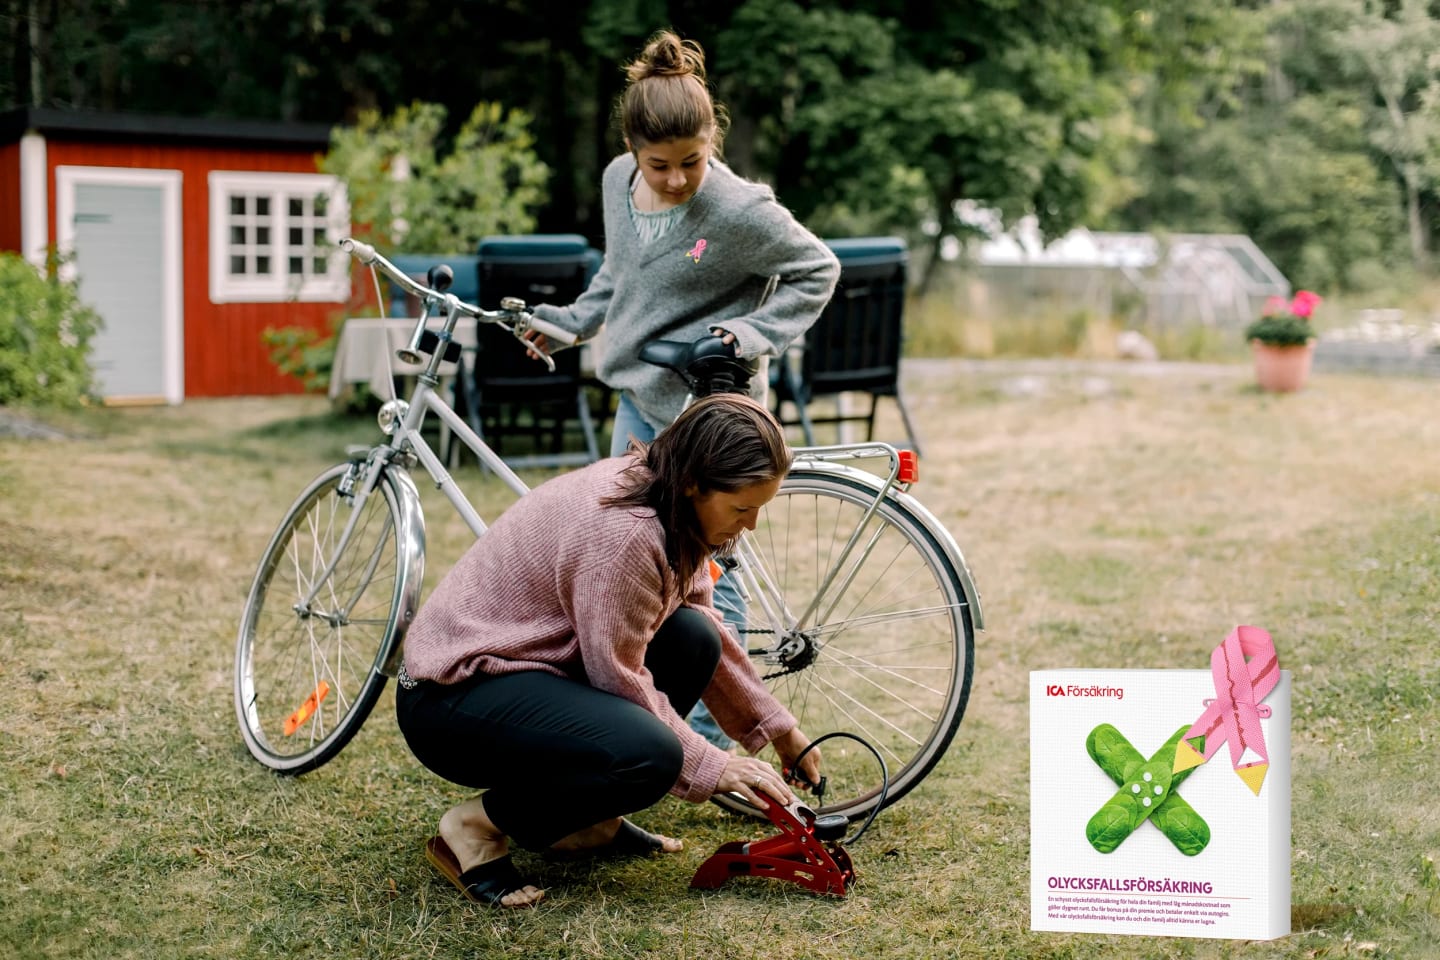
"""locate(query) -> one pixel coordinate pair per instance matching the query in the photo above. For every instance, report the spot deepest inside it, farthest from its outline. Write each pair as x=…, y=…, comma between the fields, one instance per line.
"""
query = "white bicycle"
x=859, y=610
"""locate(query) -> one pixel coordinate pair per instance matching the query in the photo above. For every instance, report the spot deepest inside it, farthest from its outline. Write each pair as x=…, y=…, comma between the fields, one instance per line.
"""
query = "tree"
x=887, y=122
x=402, y=191
x=1397, y=49
x=1259, y=124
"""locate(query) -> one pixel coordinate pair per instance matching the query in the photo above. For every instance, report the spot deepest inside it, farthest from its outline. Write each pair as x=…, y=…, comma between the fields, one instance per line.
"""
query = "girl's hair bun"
x=667, y=98
x=666, y=55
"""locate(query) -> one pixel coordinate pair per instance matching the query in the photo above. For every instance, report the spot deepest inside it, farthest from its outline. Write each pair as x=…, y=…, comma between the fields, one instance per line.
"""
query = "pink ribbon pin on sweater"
x=694, y=252
x=1234, y=715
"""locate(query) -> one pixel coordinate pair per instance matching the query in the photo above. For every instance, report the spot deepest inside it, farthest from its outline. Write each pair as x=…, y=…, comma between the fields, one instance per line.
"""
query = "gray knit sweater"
x=737, y=259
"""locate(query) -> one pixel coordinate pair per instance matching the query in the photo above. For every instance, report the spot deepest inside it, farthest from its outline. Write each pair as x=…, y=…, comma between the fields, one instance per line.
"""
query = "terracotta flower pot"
x=1282, y=369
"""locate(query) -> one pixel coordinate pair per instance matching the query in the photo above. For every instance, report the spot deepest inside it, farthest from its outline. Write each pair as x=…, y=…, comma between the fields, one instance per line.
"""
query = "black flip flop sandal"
x=487, y=883
x=629, y=841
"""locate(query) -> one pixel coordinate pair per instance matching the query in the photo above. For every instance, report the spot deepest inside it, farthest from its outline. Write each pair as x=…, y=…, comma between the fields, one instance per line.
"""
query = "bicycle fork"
x=368, y=469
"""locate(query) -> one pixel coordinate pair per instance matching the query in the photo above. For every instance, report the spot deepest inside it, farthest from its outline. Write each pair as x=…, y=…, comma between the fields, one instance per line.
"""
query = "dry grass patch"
x=1113, y=516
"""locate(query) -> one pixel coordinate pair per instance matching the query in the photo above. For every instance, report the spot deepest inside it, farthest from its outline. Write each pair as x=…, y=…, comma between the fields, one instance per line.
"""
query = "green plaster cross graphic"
x=1147, y=792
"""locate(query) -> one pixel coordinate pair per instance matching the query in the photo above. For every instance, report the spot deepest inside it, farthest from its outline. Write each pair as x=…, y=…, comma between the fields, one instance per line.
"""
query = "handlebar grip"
x=359, y=250
x=552, y=332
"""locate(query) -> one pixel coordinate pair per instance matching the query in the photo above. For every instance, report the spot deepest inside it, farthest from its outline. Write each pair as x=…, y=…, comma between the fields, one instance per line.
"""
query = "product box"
x=1121, y=843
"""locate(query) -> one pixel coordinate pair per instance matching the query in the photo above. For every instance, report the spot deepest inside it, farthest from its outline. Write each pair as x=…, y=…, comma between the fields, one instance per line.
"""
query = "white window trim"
x=277, y=288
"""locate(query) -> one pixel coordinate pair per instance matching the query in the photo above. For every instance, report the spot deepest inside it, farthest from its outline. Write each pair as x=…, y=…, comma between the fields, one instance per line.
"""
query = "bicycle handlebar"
x=512, y=314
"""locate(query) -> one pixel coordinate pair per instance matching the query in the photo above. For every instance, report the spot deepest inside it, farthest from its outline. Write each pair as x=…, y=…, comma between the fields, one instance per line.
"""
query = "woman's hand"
x=790, y=745
x=755, y=780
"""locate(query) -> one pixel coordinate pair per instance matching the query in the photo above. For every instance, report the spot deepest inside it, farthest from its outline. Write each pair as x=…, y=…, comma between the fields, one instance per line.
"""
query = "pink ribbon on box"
x=1234, y=715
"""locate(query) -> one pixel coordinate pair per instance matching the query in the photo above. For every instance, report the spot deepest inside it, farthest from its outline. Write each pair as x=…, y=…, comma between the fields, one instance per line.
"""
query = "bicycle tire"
x=333, y=661
x=905, y=603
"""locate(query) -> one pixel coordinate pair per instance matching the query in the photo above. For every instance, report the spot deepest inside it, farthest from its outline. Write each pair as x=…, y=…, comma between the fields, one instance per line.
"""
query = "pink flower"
x=1273, y=305
x=1304, y=304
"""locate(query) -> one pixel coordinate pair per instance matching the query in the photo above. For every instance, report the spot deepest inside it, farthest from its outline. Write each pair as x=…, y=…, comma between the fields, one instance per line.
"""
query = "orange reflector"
x=715, y=571
x=312, y=702
x=909, y=467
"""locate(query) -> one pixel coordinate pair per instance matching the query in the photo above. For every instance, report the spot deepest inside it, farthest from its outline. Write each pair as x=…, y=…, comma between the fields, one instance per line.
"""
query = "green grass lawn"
x=1113, y=516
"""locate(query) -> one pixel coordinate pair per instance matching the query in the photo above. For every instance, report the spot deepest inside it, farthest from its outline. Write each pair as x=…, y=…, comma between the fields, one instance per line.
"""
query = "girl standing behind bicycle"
x=554, y=663
x=690, y=248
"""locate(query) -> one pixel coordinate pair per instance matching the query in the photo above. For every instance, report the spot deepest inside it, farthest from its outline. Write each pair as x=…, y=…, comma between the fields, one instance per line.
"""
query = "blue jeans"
x=629, y=423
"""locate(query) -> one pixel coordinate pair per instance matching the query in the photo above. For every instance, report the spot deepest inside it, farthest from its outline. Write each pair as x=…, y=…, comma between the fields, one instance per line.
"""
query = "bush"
x=408, y=189
x=406, y=192
x=303, y=353
x=45, y=334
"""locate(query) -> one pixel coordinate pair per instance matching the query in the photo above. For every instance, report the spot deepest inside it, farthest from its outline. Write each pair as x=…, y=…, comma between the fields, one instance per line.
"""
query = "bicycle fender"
x=916, y=509
x=410, y=539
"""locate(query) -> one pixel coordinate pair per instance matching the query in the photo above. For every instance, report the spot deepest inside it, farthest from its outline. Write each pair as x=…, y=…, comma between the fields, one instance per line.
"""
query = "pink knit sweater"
x=562, y=584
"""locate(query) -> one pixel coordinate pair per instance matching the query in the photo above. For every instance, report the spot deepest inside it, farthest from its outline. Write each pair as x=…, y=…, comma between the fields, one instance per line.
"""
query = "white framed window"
x=273, y=237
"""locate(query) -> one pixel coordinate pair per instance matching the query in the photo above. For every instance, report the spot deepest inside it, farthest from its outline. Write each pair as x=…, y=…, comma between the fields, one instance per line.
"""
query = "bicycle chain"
x=779, y=673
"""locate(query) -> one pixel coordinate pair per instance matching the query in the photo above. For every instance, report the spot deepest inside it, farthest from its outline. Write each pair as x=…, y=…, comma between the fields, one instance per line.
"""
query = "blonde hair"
x=667, y=98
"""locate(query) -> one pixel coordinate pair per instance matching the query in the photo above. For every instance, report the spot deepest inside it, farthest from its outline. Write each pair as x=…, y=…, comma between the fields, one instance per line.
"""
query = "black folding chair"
x=854, y=347
x=509, y=395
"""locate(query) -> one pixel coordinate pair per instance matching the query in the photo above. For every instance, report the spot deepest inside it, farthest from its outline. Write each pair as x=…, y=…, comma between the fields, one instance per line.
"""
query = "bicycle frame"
x=403, y=420
x=758, y=585
x=856, y=595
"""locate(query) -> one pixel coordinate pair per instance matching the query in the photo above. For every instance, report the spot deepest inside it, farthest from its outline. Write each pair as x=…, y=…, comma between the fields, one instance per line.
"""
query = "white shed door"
x=124, y=238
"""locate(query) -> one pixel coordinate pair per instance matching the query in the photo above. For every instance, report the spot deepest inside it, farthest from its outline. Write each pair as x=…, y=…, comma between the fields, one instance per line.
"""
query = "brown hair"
x=666, y=97
x=725, y=441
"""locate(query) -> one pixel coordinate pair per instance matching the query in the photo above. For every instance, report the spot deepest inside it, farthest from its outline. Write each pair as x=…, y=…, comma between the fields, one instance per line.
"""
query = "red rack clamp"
x=807, y=851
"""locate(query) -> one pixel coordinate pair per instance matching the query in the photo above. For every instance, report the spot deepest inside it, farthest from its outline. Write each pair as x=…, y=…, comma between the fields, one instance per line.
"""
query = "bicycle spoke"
x=836, y=627
x=321, y=654
x=882, y=644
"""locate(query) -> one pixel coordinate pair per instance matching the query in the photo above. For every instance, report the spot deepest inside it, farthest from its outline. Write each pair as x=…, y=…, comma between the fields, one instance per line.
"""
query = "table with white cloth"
x=365, y=352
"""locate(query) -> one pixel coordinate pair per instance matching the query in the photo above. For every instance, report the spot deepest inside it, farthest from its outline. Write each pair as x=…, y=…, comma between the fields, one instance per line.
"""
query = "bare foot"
x=474, y=840
x=602, y=835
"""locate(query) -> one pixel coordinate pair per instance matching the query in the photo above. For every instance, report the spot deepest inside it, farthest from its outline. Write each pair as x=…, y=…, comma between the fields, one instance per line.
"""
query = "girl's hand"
x=537, y=344
x=790, y=745
x=727, y=338
x=755, y=780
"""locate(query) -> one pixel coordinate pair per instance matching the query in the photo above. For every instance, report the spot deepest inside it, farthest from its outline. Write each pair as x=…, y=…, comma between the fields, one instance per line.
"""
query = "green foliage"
x=409, y=189
x=1311, y=125
x=879, y=124
x=1285, y=324
x=303, y=353
x=1281, y=330
x=1308, y=131
x=405, y=192
x=45, y=334
x=1393, y=48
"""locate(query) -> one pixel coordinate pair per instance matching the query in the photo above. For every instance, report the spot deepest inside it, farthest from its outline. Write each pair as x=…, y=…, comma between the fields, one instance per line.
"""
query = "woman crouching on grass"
x=555, y=663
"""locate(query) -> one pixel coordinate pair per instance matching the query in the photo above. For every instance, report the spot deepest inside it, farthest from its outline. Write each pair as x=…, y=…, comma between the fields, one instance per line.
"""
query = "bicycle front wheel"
x=878, y=642
x=310, y=649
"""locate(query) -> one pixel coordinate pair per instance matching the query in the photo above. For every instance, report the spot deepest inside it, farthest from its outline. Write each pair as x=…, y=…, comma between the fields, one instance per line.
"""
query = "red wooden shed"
x=188, y=236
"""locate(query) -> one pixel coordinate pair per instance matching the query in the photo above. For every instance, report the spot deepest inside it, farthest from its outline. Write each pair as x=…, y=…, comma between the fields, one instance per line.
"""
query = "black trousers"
x=558, y=755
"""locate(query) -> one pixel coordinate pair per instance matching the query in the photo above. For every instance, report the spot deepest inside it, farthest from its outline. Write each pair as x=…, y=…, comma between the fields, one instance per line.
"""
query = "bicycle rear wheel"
x=307, y=676
x=887, y=653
